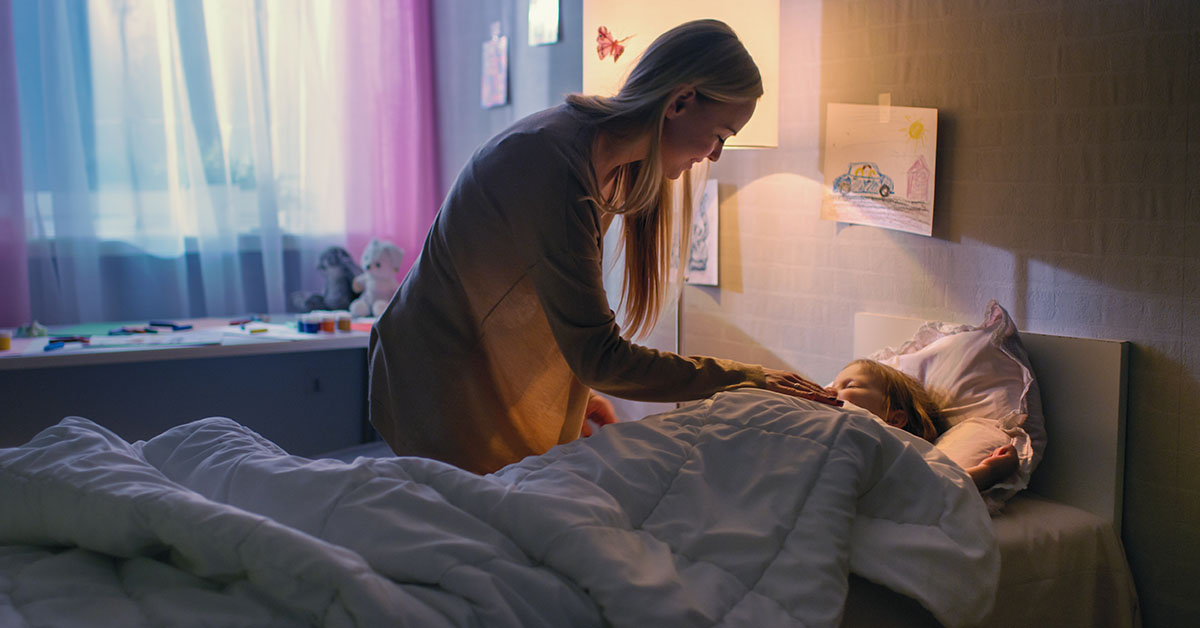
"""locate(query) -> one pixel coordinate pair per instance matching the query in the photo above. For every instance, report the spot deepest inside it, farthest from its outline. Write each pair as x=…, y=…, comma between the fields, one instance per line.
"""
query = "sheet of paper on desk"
x=37, y=346
x=263, y=331
x=179, y=338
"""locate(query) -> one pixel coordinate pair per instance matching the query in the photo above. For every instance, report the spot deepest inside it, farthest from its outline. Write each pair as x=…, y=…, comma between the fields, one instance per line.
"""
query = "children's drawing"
x=866, y=152
x=702, y=258
x=494, y=89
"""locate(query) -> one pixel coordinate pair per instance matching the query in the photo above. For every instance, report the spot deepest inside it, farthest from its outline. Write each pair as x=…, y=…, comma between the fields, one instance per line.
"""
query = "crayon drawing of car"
x=863, y=177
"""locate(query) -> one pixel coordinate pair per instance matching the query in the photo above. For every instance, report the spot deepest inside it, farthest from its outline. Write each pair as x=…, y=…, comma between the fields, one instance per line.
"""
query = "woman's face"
x=856, y=385
x=696, y=128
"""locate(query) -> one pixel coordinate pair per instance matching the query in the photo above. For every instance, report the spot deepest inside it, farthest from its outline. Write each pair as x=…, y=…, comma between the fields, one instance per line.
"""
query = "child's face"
x=856, y=385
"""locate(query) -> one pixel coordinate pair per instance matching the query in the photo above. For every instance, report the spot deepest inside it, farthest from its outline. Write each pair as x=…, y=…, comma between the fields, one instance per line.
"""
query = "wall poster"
x=879, y=166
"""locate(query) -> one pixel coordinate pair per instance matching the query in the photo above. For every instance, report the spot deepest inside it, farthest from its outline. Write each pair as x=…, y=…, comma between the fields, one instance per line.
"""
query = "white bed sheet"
x=1060, y=566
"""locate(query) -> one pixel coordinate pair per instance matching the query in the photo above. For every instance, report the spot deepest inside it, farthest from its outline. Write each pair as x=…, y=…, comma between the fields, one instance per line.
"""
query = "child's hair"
x=903, y=392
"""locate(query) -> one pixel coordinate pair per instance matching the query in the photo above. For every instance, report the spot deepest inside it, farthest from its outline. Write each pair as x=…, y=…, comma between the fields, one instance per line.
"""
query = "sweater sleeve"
x=571, y=290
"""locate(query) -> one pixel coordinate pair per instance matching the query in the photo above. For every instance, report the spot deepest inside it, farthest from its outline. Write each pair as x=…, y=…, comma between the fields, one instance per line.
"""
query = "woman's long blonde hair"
x=707, y=56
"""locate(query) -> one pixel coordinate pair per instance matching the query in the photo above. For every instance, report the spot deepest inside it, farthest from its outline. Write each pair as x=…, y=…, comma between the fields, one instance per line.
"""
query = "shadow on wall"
x=709, y=332
x=717, y=336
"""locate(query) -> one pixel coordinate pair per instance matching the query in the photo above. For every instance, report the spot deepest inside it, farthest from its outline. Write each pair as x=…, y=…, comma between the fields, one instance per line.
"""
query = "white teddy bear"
x=380, y=261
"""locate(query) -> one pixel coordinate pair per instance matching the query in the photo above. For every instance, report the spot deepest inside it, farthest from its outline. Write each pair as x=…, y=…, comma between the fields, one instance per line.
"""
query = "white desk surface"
x=28, y=353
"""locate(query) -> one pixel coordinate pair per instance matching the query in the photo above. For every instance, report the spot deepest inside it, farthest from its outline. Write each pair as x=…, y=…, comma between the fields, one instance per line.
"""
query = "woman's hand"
x=790, y=383
x=599, y=411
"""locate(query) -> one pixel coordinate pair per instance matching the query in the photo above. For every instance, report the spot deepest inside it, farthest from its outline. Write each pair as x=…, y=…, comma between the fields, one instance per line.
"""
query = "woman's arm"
x=531, y=178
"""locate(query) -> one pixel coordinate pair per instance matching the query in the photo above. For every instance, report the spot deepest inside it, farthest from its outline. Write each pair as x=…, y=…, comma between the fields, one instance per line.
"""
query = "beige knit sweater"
x=487, y=352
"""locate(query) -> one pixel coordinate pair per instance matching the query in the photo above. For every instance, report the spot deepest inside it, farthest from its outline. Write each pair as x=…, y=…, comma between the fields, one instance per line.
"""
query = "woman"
x=491, y=349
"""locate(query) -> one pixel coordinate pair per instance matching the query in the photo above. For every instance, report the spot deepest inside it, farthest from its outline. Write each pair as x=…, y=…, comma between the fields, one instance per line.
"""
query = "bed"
x=747, y=509
x=1062, y=563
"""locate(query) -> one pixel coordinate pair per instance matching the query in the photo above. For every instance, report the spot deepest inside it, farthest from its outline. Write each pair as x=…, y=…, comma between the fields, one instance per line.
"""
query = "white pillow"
x=972, y=440
x=982, y=380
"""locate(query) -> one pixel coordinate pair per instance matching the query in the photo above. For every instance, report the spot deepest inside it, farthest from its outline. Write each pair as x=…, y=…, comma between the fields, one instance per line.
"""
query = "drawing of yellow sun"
x=915, y=132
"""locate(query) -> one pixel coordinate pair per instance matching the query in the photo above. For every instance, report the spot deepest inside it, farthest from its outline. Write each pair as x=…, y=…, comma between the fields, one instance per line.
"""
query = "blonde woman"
x=492, y=347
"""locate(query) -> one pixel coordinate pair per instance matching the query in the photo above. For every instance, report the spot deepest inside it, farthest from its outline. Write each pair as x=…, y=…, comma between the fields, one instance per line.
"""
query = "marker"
x=51, y=346
x=123, y=331
x=173, y=326
x=70, y=339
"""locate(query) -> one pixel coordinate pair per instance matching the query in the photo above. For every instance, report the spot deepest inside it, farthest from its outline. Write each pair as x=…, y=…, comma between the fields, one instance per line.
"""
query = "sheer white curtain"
x=179, y=158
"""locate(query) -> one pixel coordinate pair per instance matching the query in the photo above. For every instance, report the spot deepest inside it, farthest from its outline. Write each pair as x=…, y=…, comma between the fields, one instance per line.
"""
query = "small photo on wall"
x=879, y=166
x=702, y=258
x=543, y=22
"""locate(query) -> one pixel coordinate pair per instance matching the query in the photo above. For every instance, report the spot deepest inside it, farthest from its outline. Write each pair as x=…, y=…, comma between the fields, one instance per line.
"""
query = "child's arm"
x=1002, y=463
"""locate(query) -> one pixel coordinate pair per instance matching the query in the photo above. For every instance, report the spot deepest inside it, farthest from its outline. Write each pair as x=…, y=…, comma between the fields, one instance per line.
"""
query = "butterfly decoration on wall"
x=606, y=44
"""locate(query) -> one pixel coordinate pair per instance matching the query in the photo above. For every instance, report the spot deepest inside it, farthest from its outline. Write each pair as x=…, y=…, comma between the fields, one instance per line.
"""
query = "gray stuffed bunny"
x=339, y=270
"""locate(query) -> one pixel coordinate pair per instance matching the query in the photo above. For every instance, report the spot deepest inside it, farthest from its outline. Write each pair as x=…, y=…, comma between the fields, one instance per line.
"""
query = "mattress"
x=1060, y=566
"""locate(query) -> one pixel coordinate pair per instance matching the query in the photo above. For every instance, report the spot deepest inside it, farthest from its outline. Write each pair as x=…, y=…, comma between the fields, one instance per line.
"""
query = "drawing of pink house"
x=918, y=181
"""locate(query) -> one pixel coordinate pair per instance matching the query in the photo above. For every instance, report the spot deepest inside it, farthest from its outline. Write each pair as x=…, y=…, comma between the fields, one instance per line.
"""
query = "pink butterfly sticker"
x=606, y=44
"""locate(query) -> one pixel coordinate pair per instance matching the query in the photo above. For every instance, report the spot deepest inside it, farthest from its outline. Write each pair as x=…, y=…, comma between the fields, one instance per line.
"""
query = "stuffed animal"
x=381, y=261
x=339, y=270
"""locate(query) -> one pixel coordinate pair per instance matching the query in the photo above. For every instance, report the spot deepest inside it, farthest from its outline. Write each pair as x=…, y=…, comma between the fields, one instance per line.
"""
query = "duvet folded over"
x=748, y=509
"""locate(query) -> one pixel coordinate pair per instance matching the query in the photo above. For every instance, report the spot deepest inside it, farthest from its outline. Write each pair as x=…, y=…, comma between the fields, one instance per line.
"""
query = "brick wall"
x=1068, y=140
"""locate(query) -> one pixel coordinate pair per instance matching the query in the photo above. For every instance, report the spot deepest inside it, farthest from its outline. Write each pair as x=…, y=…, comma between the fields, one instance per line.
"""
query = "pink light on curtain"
x=391, y=164
x=14, y=270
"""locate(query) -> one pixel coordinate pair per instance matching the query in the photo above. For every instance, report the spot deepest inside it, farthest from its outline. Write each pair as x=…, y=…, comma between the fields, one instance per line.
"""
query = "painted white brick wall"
x=1068, y=142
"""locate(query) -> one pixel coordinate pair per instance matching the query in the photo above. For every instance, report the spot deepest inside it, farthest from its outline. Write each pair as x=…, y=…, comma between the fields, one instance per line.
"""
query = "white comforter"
x=745, y=510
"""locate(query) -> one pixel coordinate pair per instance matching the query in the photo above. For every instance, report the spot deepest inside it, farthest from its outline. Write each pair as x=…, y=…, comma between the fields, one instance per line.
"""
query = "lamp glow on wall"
x=639, y=22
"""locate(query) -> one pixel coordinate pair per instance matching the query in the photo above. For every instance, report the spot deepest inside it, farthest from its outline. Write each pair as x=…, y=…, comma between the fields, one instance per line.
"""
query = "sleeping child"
x=901, y=401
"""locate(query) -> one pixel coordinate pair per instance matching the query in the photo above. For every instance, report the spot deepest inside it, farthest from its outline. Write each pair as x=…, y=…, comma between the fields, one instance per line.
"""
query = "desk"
x=307, y=395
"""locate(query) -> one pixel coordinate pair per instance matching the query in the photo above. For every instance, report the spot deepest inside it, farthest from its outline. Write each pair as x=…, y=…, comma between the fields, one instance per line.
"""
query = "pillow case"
x=982, y=380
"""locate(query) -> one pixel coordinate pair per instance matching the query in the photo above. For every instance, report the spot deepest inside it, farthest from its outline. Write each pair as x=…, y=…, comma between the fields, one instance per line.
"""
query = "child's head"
x=891, y=395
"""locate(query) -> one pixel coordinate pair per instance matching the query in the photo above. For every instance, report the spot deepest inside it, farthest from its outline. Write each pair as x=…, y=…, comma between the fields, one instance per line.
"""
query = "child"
x=902, y=402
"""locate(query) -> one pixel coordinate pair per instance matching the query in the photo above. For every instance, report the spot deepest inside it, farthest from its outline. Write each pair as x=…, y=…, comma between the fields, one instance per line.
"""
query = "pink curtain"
x=385, y=77
x=391, y=159
x=14, y=273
